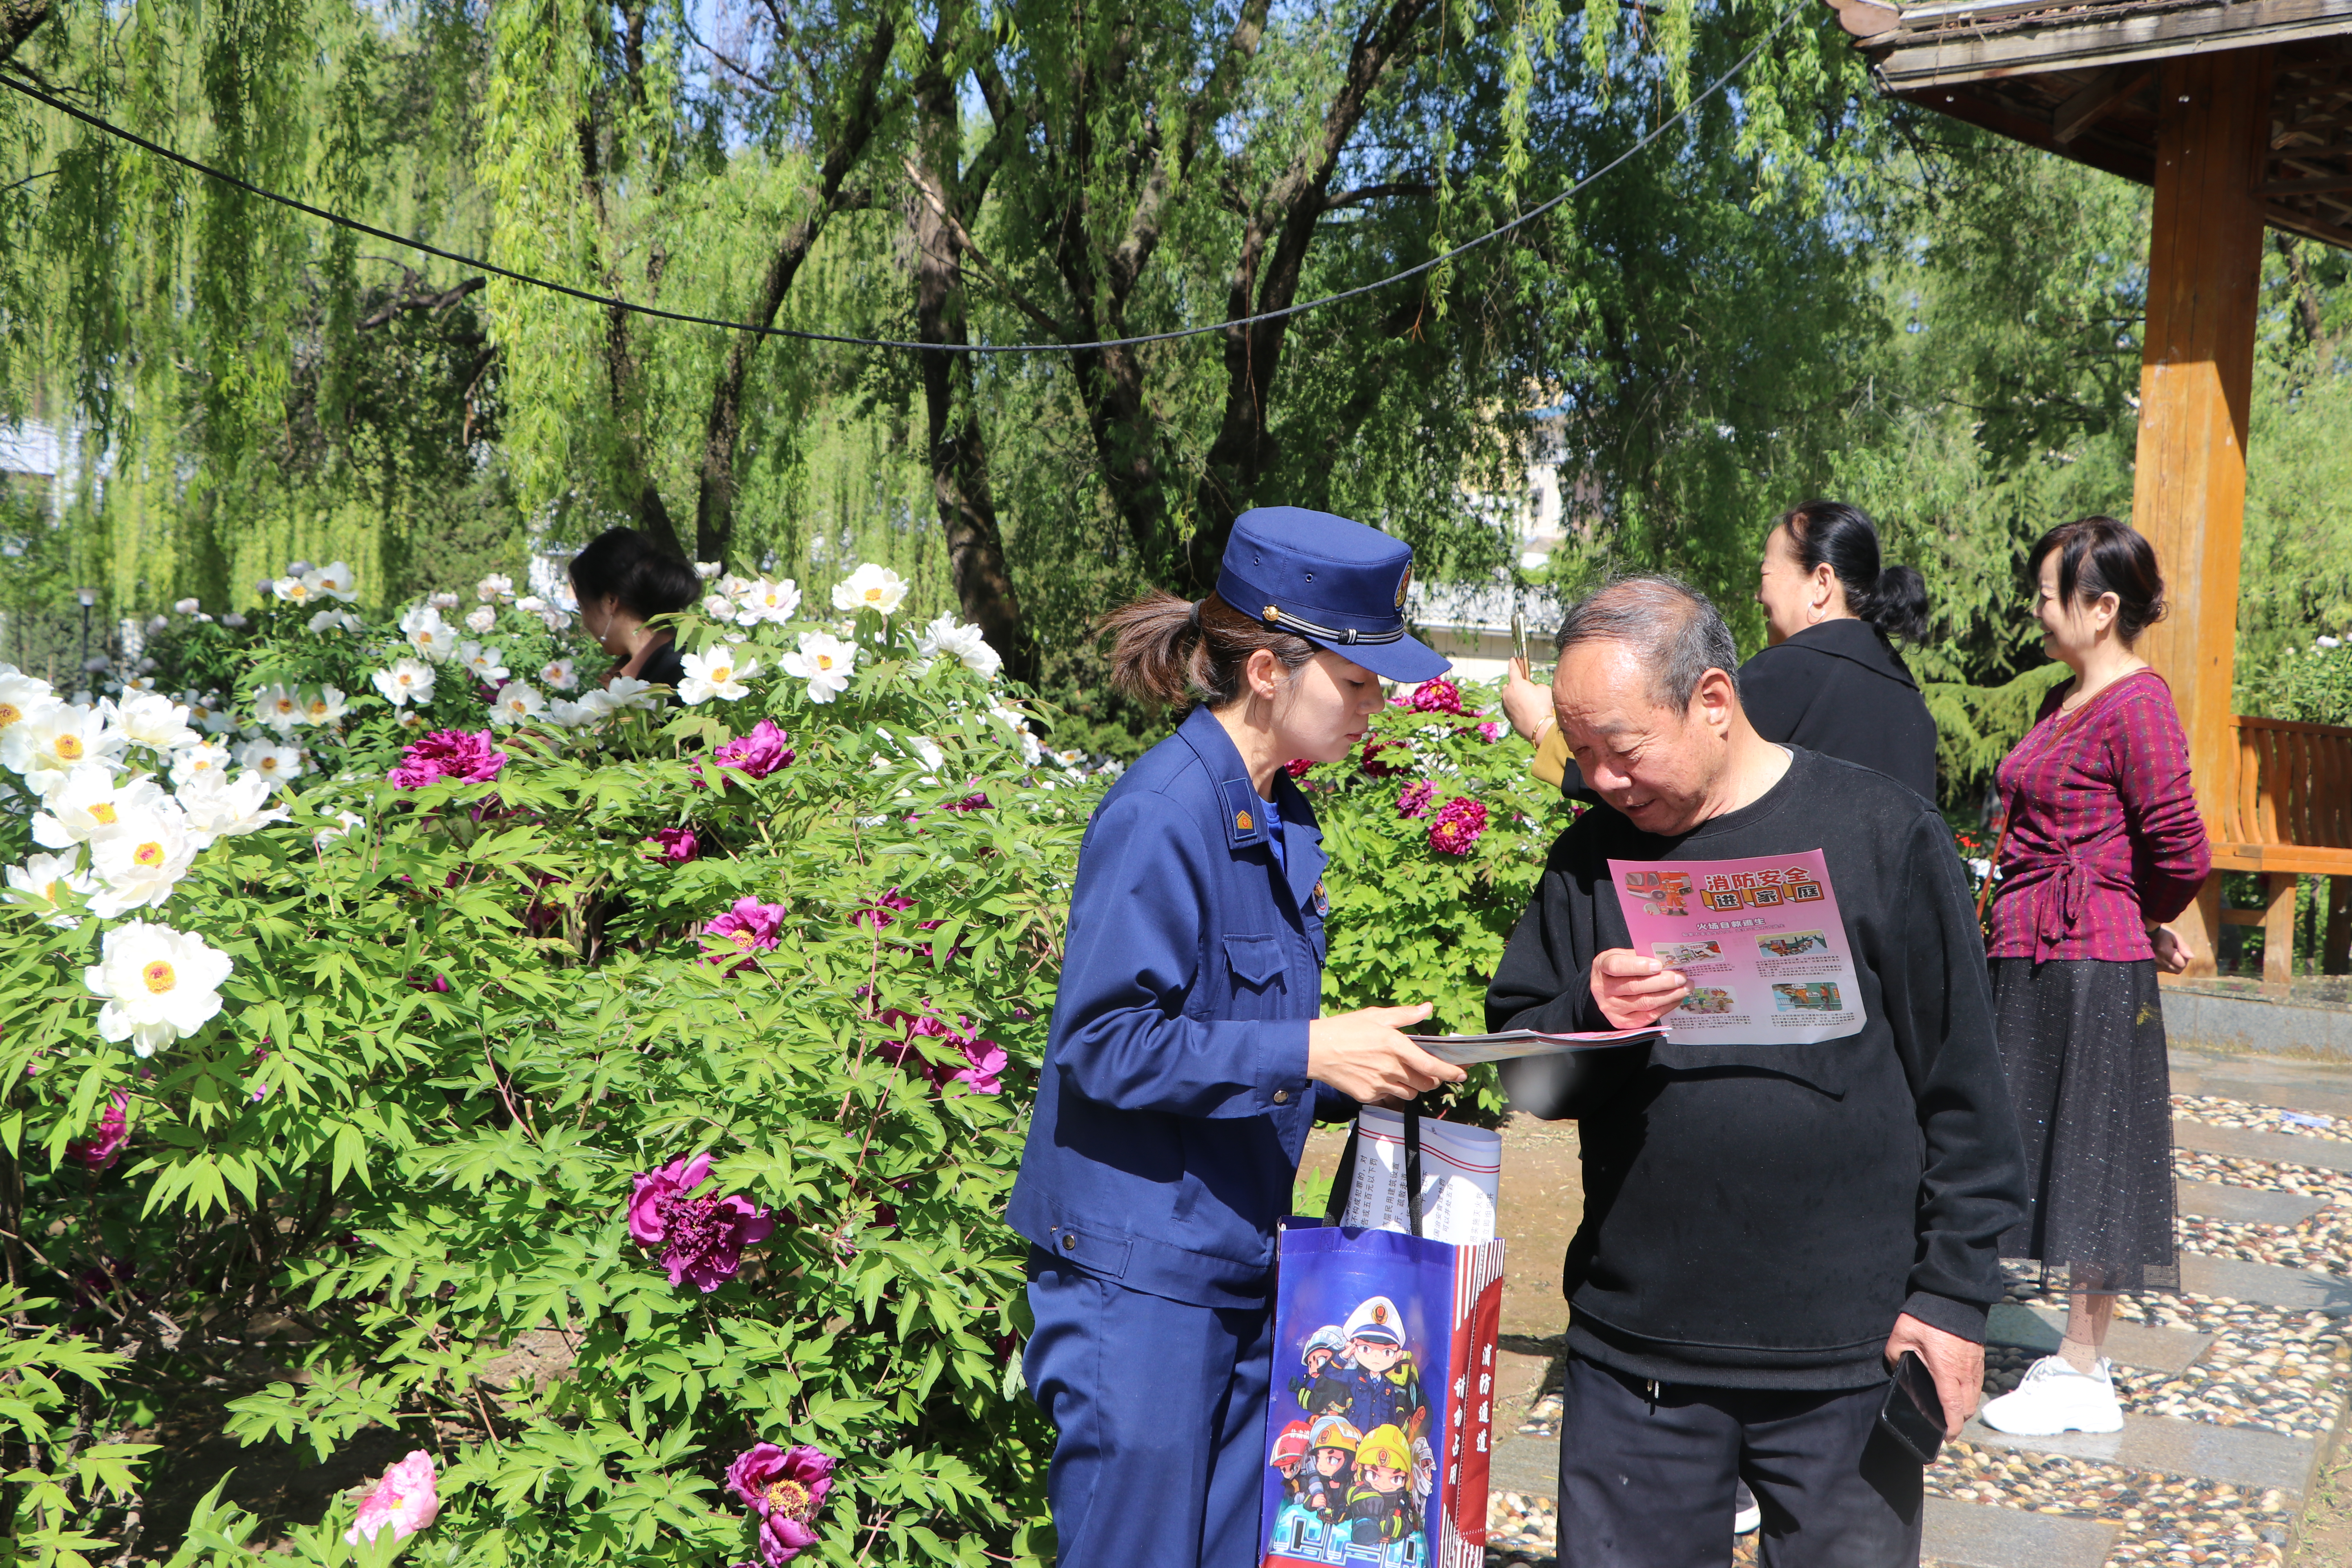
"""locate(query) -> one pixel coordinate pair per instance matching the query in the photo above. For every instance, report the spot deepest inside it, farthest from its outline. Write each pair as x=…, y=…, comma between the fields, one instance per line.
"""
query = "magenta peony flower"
x=785, y=1487
x=977, y=801
x=984, y=1060
x=100, y=1152
x=1374, y=765
x=1438, y=695
x=1492, y=731
x=1414, y=800
x=750, y=926
x=448, y=754
x=1296, y=767
x=879, y=914
x=758, y=754
x=675, y=845
x=702, y=1239
x=404, y=1499
x=1459, y=823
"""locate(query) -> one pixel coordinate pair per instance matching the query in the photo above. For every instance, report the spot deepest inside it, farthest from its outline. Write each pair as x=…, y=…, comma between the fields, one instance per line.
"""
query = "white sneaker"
x=1745, y=1513
x=2055, y=1398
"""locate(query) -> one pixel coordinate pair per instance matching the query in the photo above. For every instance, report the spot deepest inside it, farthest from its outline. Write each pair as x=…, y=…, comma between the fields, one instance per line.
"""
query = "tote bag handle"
x=1343, y=1180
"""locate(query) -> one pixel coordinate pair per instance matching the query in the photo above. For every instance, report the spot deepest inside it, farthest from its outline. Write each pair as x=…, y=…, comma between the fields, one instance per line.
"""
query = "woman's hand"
x=1633, y=992
x=1527, y=705
x=1364, y=1055
x=2171, y=953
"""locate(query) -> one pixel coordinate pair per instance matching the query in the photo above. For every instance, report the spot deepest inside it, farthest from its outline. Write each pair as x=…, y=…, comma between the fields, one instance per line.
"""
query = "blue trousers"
x=1160, y=1414
x=1646, y=1480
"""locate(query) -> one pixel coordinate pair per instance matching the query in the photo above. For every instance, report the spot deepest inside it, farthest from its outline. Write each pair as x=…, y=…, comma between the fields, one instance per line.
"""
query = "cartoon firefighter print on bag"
x=1356, y=1463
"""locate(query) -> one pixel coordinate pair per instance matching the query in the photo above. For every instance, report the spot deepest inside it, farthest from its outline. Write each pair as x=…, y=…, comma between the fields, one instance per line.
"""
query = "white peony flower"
x=2331, y=642
x=441, y=600
x=208, y=758
x=187, y=607
x=216, y=806
x=55, y=736
x=943, y=638
x=561, y=674
x=43, y=879
x=486, y=665
x=234, y=621
x=870, y=587
x=406, y=681
x=714, y=674
x=517, y=702
x=480, y=619
x=87, y=801
x=1018, y=722
x=325, y=706
x=213, y=716
x=299, y=569
x=768, y=601
x=334, y=580
x=336, y=621
x=719, y=608
x=554, y=620
x=278, y=707
x=296, y=591
x=428, y=634
x=707, y=570
x=341, y=827
x=494, y=587
x=20, y=694
x=141, y=863
x=150, y=718
x=624, y=691
x=532, y=604
x=160, y=985
x=564, y=714
x=280, y=764
x=824, y=661
x=732, y=586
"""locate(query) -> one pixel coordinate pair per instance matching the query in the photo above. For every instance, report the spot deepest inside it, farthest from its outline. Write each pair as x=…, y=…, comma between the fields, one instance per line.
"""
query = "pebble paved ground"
x=2267, y=1370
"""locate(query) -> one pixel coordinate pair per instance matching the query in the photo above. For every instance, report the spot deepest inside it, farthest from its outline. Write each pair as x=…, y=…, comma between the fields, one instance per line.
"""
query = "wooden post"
x=2197, y=373
x=2278, y=930
x=2335, y=952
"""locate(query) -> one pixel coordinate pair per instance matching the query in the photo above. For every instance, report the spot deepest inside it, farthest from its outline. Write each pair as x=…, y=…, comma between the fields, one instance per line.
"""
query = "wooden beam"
x=2310, y=186
x=2094, y=99
x=2336, y=953
x=2278, y=932
x=2197, y=369
x=1972, y=48
x=2200, y=929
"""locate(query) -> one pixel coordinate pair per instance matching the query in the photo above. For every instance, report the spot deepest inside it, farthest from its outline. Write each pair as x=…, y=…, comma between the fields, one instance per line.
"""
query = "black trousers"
x=1646, y=1481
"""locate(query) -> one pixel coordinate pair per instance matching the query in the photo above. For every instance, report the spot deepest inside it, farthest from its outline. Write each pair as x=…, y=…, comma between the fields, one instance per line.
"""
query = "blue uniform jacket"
x=1175, y=1102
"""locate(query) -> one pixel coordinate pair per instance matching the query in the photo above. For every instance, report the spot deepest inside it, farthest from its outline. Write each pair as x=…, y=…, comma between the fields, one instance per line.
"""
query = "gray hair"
x=1674, y=627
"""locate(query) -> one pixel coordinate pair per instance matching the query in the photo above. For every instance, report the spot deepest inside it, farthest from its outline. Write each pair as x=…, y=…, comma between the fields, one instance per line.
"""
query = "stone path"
x=2232, y=1389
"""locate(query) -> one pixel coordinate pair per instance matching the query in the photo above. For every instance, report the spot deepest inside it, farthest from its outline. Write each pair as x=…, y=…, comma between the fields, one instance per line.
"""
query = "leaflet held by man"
x=1761, y=940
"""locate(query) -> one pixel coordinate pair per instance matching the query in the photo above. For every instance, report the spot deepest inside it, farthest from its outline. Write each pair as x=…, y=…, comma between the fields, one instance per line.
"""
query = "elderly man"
x=1768, y=1226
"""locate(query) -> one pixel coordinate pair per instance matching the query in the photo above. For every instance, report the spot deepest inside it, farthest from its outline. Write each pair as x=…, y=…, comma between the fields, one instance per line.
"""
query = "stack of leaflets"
x=1463, y=1050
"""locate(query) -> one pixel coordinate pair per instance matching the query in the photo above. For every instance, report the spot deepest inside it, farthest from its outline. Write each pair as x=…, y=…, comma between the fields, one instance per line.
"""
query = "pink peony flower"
x=984, y=1060
x=1438, y=695
x=785, y=1487
x=758, y=754
x=675, y=845
x=1373, y=765
x=1414, y=800
x=403, y=1498
x=100, y=1152
x=1459, y=823
x=448, y=754
x=1296, y=768
x=702, y=1239
x=879, y=914
x=975, y=802
x=749, y=927
x=1492, y=731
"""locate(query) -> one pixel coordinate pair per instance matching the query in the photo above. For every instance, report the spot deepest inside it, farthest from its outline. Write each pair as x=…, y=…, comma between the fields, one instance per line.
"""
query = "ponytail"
x=1892, y=599
x=1171, y=652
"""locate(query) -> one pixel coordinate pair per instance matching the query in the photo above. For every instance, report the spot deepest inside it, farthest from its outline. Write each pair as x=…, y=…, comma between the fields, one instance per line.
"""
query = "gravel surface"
x=2215, y=1112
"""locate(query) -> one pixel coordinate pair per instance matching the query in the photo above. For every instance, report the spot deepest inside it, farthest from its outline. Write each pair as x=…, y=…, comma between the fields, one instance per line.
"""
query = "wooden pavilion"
x=2240, y=115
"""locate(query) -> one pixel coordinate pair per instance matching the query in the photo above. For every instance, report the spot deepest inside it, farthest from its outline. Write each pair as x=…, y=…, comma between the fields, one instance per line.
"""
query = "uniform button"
x=1069, y=1243
x=1282, y=1097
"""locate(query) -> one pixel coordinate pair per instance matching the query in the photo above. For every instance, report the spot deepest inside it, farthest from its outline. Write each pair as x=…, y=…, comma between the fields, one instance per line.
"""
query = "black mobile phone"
x=1913, y=1413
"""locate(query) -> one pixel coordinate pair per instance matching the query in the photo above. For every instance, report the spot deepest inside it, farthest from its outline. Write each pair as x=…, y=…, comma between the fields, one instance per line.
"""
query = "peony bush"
x=382, y=998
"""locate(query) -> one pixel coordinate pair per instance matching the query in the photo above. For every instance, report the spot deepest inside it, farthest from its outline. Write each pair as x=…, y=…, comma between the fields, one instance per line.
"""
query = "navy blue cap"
x=1338, y=584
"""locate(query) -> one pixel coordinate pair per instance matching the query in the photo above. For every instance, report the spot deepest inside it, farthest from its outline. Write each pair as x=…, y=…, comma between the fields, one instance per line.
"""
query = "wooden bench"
x=2284, y=812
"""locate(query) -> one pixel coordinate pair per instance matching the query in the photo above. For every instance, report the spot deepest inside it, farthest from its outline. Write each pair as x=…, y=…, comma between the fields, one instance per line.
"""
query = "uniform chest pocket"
x=1257, y=961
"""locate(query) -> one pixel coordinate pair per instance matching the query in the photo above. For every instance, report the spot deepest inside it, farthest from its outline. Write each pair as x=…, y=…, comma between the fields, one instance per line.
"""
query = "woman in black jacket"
x=622, y=580
x=1829, y=680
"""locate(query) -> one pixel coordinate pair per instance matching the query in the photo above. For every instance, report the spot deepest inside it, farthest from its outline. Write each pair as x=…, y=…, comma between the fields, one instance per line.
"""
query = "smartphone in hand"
x=1913, y=1412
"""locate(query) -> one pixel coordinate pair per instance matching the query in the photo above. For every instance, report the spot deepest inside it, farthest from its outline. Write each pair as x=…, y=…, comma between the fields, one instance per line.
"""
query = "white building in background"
x=31, y=457
x=1470, y=622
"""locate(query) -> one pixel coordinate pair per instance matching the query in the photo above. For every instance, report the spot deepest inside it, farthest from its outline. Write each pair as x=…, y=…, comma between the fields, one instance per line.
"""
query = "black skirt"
x=2083, y=1043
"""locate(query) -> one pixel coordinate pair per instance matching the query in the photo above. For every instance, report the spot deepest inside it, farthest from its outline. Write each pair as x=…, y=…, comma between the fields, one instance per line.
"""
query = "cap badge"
x=1270, y=615
x=1403, y=584
x=1242, y=821
x=1379, y=1312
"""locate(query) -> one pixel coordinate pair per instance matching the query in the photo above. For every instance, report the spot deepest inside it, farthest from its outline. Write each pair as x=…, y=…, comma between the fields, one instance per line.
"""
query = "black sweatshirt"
x=1756, y=1216
x=1837, y=688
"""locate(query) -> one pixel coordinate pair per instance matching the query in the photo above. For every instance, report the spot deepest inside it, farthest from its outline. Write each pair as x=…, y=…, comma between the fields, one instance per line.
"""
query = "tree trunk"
x=623, y=379
x=722, y=424
x=18, y=19
x=958, y=449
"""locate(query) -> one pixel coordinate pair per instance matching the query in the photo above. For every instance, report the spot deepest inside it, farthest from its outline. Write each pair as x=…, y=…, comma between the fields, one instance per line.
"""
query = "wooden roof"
x=2081, y=81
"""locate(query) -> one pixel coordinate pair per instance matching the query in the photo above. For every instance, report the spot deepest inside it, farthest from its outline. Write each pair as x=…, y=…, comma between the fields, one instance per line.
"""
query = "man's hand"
x=1364, y=1055
x=1955, y=1365
x=2171, y=953
x=1633, y=992
x=1527, y=705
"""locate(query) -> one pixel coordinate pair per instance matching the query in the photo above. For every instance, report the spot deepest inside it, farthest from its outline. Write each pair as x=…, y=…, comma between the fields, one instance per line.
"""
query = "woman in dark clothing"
x=623, y=580
x=2104, y=843
x=1830, y=680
